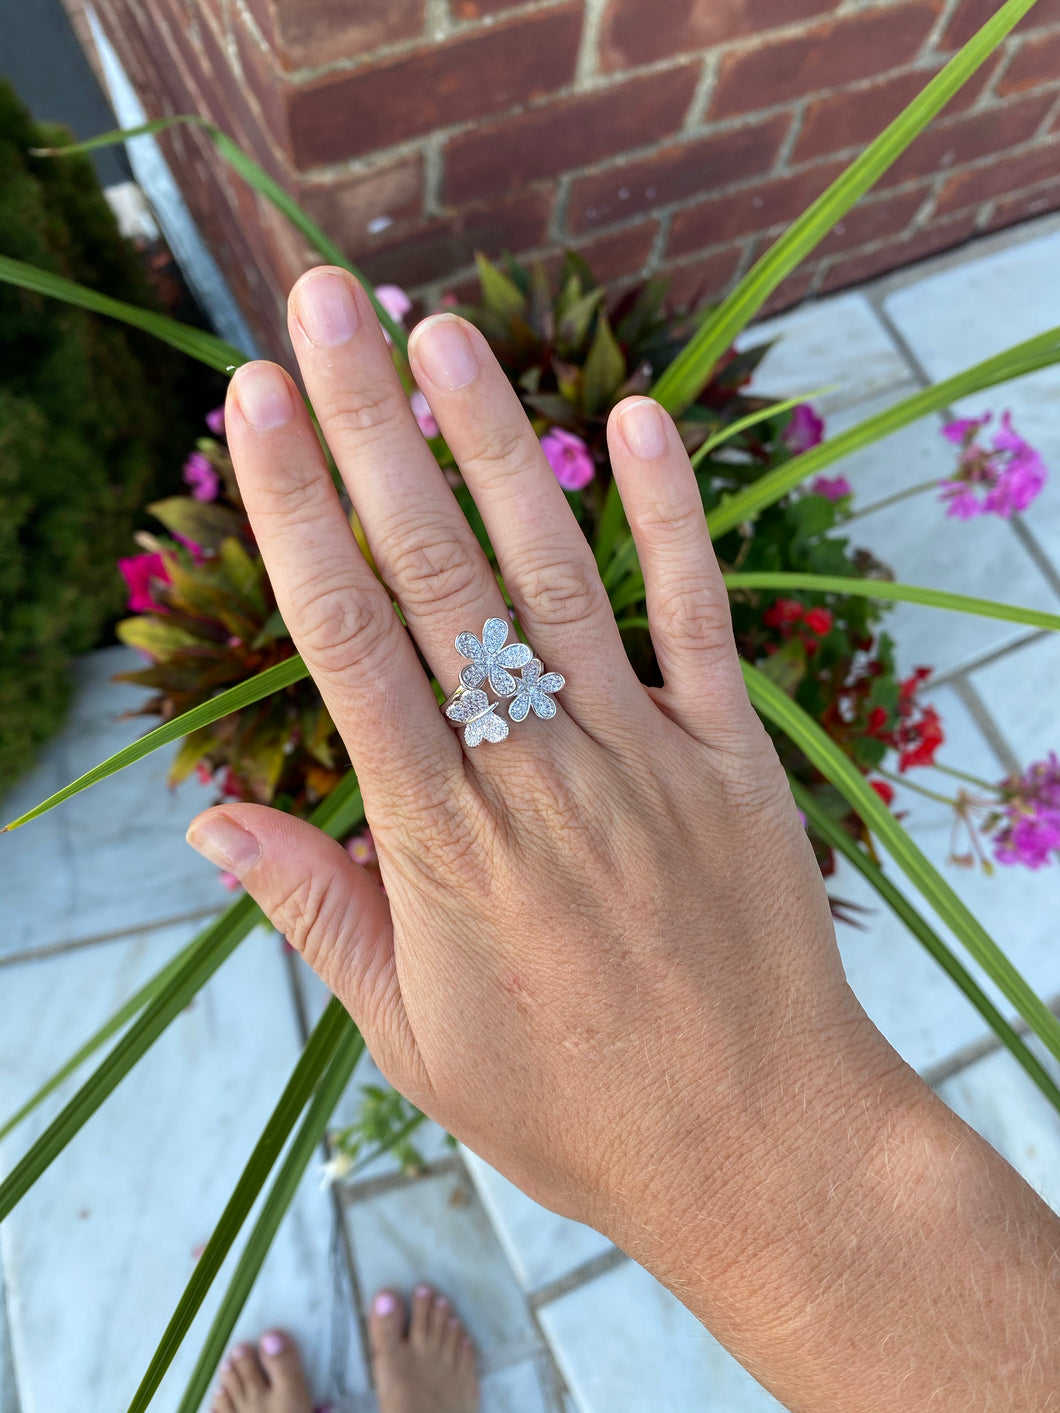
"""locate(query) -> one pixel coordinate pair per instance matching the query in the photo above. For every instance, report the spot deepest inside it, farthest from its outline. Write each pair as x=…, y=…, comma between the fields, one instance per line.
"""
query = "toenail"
x=441, y=1303
x=454, y=1323
x=385, y=1304
x=271, y=1344
x=423, y=1291
x=226, y=1364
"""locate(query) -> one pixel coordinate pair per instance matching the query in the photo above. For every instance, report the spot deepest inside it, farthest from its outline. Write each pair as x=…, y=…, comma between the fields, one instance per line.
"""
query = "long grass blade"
x=1042, y=351
x=840, y=771
x=336, y=815
x=197, y=343
x=682, y=382
x=753, y=419
x=901, y=593
x=243, y=694
x=306, y=1141
x=306, y=1075
x=929, y=939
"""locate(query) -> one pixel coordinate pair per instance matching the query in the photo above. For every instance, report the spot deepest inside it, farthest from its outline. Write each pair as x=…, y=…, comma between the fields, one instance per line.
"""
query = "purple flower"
x=998, y=480
x=1029, y=832
x=396, y=303
x=140, y=572
x=569, y=458
x=423, y=414
x=200, y=475
x=215, y=420
x=804, y=431
x=831, y=487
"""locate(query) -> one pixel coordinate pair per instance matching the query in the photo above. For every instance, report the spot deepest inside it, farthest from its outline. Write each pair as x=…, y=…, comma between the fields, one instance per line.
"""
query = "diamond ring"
x=490, y=660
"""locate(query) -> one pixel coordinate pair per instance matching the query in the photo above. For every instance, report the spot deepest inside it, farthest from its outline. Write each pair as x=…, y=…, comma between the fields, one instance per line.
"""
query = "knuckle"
x=339, y=626
x=311, y=915
x=690, y=622
x=498, y=452
x=359, y=412
x=661, y=525
x=430, y=573
x=560, y=591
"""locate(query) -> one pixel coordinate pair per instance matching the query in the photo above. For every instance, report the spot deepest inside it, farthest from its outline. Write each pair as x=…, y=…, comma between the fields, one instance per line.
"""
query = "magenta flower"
x=215, y=420
x=423, y=414
x=804, y=431
x=396, y=303
x=200, y=475
x=1029, y=832
x=569, y=458
x=998, y=480
x=140, y=572
x=831, y=487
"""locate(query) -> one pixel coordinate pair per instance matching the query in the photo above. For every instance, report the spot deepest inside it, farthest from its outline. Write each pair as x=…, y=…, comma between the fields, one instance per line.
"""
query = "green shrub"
x=88, y=418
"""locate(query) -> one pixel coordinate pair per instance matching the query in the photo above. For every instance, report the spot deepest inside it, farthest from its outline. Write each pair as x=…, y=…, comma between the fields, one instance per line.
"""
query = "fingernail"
x=644, y=430
x=384, y=1303
x=445, y=352
x=327, y=310
x=228, y=846
x=271, y=1344
x=263, y=395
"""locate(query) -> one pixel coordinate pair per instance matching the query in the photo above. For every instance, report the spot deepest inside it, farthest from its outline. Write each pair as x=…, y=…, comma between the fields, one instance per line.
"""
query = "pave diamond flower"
x=490, y=658
x=533, y=692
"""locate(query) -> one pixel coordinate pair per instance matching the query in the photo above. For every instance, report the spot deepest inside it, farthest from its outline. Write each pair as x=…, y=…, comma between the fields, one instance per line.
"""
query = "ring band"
x=490, y=660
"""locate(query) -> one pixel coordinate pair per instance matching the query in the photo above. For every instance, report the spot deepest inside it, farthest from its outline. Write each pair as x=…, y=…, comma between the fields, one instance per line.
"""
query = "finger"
x=329, y=909
x=549, y=568
x=688, y=607
x=420, y=539
x=338, y=613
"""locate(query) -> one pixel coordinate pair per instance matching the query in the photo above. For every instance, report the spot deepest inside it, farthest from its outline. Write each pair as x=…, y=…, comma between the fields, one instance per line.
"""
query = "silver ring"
x=490, y=660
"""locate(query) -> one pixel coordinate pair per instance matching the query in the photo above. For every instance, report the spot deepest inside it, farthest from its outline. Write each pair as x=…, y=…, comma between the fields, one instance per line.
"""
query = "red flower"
x=783, y=613
x=884, y=790
x=918, y=740
x=819, y=621
x=877, y=721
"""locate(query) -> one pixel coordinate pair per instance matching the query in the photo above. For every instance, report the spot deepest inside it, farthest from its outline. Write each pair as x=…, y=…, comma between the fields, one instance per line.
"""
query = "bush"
x=87, y=417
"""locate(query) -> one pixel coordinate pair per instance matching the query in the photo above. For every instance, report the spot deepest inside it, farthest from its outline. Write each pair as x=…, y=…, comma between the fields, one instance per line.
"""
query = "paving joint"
x=120, y=934
x=581, y=1275
x=977, y=1050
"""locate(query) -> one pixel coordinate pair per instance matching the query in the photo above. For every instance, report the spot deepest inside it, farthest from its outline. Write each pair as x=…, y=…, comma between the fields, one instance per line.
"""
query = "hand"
x=604, y=956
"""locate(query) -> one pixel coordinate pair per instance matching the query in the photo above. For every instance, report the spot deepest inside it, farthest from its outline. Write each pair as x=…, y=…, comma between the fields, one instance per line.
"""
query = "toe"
x=386, y=1323
x=422, y=1303
x=451, y=1339
x=283, y=1368
x=438, y=1320
x=222, y=1402
x=246, y=1364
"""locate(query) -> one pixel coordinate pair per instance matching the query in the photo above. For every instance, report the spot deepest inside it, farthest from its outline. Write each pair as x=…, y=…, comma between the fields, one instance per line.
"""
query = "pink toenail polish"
x=441, y=1303
x=226, y=1364
x=385, y=1304
x=271, y=1344
x=423, y=1291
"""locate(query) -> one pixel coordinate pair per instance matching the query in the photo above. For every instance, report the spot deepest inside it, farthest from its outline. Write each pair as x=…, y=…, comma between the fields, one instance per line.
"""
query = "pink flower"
x=1029, y=831
x=230, y=881
x=423, y=414
x=140, y=572
x=804, y=431
x=396, y=303
x=215, y=420
x=204, y=771
x=1001, y=480
x=361, y=848
x=200, y=475
x=569, y=458
x=831, y=487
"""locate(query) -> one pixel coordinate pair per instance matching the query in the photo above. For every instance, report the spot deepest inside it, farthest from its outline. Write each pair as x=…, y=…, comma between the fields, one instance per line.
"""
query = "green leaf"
x=787, y=666
x=903, y=593
x=685, y=378
x=155, y=636
x=604, y=372
x=273, y=679
x=244, y=573
x=205, y=524
x=207, y=348
x=1042, y=351
x=499, y=293
x=574, y=325
x=318, y=1053
x=753, y=419
x=823, y=752
x=279, y=1198
x=833, y=834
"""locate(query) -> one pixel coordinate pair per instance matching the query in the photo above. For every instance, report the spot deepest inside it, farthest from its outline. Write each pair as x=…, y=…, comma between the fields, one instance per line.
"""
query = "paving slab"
x=112, y=858
x=624, y=1342
x=1021, y=691
x=96, y=1256
x=9, y=1400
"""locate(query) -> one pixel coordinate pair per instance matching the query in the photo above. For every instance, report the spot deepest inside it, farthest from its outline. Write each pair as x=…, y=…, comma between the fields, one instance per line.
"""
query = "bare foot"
x=268, y=1379
x=431, y=1369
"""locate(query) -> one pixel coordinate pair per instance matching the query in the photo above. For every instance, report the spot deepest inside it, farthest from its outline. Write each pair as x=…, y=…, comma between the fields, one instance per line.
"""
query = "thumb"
x=329, y=909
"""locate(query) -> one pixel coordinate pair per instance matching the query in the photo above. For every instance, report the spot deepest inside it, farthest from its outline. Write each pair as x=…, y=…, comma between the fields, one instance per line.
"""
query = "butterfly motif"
x=476, y=712
x=533, y=692
x=490, y=658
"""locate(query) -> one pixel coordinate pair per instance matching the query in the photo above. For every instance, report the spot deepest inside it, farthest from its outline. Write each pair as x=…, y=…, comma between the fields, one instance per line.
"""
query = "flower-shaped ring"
x=491, y=659
x=533, y=691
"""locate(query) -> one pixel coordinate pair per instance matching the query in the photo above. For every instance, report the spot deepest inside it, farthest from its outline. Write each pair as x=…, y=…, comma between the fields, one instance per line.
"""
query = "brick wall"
x=673, y=136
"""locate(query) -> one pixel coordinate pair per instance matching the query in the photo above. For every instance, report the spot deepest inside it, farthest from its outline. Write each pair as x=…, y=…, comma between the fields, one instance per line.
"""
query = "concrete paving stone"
x=112, y=858
x=977, y=308
x=1021, y=691
x=624, y=1342
x=836, y=343
x=9, y=1400
x=520, y=1388
x=541, y=1245
x=97, y=1254
x=435, y=1229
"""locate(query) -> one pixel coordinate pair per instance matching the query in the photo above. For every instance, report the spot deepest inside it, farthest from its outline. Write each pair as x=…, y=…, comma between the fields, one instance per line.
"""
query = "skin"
x=604, y=958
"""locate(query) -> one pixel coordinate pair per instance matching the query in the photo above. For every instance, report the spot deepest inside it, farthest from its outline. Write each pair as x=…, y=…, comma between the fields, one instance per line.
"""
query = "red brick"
x=957, y=141
x=267, y=87
x=853, y=269
x=346, y=206
x=519, y=224
x=1037, y=63
x=755, y=208
x=973, y=14
x=1024, y=205
x=789, y=292
x=479, y=9
x=471, y=77
x=621, y=253
x=303, y=33
x=676, y=173
x=858, y=46
x=634, y=32
x=874, y=220
x=569, y=133
x=701, y=281
x=1008, y=173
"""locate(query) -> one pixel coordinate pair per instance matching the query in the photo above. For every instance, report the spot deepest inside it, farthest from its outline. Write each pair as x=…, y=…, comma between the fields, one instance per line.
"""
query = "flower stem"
x=918, y=789
x=899, y=495
x=963, y=775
